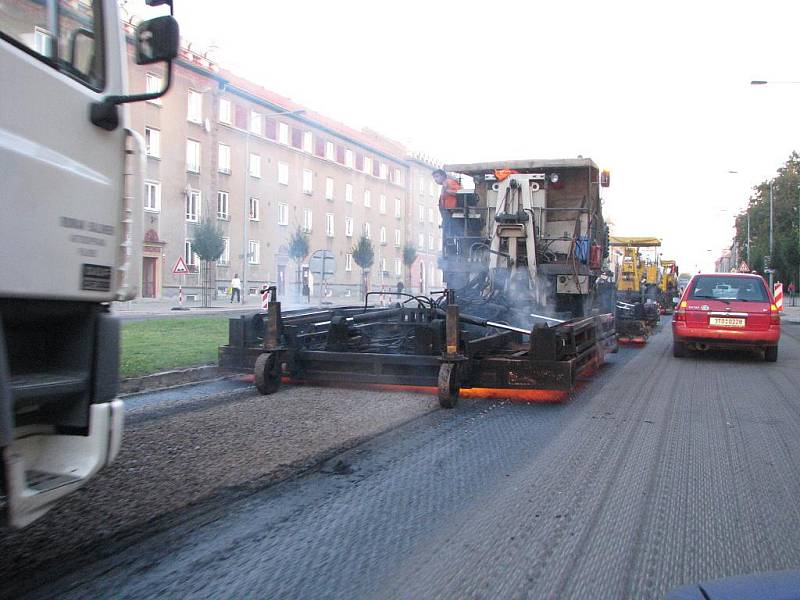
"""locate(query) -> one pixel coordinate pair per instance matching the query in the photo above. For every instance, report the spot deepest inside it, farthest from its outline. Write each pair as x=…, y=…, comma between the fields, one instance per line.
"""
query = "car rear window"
x=724, y=287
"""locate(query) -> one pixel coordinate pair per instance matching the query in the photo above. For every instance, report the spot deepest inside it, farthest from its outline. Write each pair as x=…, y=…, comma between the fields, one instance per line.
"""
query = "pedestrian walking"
x=236, y=288
x=399, y=288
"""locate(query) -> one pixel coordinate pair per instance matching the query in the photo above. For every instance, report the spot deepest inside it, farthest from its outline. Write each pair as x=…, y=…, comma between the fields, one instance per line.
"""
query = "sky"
x=657, y=92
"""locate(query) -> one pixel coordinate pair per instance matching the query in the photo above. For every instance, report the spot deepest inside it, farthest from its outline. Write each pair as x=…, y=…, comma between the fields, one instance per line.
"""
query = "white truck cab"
x=71, y=193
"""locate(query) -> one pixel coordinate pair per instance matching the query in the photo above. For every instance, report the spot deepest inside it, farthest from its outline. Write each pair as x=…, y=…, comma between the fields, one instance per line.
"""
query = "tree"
x=409, y=256
x=785, y=256
x=209, y=245
x=298, y=250
x=364, y=256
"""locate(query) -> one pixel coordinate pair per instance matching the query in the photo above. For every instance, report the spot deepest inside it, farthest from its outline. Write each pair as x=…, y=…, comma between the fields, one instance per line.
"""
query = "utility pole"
x=245, y=242
x=771, y=275
x=750, y=266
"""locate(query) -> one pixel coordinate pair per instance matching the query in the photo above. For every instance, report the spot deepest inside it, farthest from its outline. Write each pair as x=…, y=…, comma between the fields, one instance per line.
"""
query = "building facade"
x=263, y=167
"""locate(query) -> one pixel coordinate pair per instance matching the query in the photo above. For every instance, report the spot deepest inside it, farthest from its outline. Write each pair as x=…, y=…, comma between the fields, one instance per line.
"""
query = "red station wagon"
x=726, y=310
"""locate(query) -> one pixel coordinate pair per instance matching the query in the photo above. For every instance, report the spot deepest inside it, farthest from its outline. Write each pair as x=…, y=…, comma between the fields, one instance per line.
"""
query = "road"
x=659, y=472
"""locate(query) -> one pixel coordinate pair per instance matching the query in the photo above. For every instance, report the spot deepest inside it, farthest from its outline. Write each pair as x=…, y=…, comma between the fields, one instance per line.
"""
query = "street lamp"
x=762, y=82
x=245, y=241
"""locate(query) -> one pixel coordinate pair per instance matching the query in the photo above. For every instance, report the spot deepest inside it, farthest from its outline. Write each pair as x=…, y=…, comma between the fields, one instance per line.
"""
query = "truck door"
x=67, y=184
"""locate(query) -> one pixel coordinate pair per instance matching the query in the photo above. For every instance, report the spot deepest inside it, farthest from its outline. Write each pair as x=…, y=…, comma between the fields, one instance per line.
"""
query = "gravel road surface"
x=659, y=472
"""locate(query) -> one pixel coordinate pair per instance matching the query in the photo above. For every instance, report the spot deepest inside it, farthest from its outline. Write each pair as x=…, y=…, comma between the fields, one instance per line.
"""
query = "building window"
x=383, y=171
x=189, y=257
x=255, y=122
x=430, y=242
x=421, y=241
x=421, y=185
x=329, y=224
x=193, y=156
x=367, y=198
x=329, y=150
x=225, y=257
x=397, y=239
x=398, y=177
x=195, y=111
x=253, y=211
x=283, y=173
x=383, y=235
x=307, y=220
x=421, y=208
x=348, y=192
x=225, y=111
x=152, y=196
x=308, y=181
x=224, y=159
x=308, y=142
x=193, y=206
x=223, y=211
x=398, y=208
x=367, y=164
x=152, y=142
x=254, y=252
x=297, y=138
x=398, y=267
x=348, y=226
x=430, y=188
x=153, y=84
x=383, y=264
x=255, y=165
x=382, y=204
x=430, y=215
x=348, y=262
x=329, y=188
x=283, y=133
x=283, y=214
x=348, y=158
x=367, y=231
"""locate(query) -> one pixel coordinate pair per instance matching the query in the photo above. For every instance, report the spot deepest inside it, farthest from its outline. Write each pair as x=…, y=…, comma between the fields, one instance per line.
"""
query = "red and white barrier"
x=778, y=294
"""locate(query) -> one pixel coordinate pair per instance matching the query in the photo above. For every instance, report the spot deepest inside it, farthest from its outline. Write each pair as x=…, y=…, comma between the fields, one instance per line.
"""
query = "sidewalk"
x=790, y=314
x=141, y=309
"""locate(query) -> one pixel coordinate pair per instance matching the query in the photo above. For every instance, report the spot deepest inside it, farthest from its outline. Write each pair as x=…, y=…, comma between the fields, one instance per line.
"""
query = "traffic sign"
x=180, y=267
x=320, y=258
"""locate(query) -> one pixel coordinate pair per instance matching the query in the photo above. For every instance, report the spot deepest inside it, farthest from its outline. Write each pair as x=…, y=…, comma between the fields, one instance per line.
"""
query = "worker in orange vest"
x=448, y=200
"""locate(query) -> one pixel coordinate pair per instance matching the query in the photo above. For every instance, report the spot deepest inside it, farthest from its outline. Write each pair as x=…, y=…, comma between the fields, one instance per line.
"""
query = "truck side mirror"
x=157, y=40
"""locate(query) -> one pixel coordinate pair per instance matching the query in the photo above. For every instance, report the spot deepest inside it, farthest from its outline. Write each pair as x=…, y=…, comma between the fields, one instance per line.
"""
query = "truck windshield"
x=64, y=34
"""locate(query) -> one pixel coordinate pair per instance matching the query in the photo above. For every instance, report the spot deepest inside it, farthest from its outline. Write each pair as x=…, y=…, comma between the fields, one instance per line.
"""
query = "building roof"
x=367, y=138
x=521, y=165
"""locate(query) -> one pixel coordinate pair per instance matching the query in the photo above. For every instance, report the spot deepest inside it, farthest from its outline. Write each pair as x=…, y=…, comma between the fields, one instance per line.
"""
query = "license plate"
x=726, y=321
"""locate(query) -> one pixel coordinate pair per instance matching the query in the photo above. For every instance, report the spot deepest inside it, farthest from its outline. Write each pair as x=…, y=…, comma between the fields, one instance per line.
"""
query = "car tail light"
x=680, y=313
x=774, y=315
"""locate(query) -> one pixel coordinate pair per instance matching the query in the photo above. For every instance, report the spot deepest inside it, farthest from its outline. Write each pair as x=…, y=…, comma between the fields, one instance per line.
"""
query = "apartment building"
x=262, y=166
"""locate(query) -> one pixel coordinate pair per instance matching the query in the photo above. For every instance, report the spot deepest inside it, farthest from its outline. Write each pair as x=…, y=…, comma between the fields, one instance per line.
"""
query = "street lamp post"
x=770, y=236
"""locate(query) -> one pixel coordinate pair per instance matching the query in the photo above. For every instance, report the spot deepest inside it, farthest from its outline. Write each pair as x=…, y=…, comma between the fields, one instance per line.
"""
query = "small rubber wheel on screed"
x=268, y=375
x=449, y=386
x=679, y=349
x=771, y=354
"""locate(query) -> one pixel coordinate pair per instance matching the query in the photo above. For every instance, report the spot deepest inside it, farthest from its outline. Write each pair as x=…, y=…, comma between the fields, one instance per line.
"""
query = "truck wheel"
x=679, y=349
x=268, y=375
x=771, y=353
x=449, y=387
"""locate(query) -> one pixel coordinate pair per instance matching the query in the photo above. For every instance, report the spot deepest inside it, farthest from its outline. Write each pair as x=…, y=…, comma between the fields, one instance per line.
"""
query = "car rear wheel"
x=771, y=353
x=679, y=349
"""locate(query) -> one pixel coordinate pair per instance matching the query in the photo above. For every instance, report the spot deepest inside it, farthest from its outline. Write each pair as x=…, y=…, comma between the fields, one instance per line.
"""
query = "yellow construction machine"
x=638, y=277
